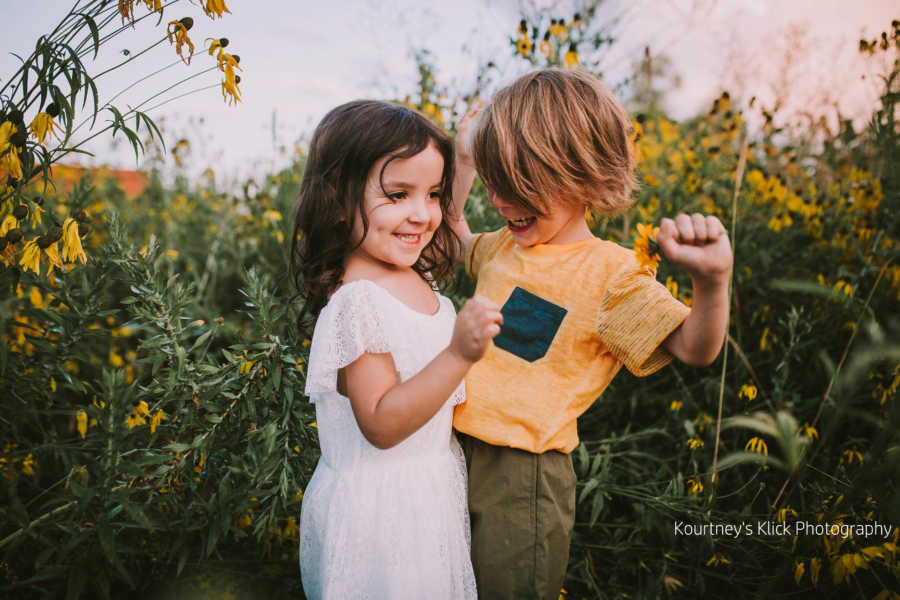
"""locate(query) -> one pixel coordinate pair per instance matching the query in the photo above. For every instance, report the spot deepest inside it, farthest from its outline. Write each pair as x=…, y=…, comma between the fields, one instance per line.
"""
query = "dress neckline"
x=398, y=300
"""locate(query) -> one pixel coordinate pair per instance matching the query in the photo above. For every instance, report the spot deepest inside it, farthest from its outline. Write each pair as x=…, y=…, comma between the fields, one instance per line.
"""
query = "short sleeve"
x=637, y=313
x=348, y=326
x=479, y=249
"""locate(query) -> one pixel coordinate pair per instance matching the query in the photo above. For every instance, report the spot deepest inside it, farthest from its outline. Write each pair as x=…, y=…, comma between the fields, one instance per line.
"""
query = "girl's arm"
x=700, y=246
x=462, y=184
x=388, y=411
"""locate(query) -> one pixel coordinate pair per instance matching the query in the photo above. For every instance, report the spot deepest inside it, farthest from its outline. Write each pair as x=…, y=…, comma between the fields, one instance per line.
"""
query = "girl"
x=384, y=515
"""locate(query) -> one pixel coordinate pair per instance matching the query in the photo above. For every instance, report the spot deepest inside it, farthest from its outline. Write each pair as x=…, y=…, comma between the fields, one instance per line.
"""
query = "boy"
x=575, y=309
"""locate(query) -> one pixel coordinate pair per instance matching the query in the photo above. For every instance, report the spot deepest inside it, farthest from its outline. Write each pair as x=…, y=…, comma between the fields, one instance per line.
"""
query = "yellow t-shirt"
x=573, y=314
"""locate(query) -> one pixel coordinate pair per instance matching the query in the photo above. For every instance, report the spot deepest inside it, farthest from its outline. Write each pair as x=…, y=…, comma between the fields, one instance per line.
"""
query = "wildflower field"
x=155, y=437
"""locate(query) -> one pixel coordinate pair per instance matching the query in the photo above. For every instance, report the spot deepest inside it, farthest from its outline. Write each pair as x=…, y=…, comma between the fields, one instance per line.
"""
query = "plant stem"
x=738, y=177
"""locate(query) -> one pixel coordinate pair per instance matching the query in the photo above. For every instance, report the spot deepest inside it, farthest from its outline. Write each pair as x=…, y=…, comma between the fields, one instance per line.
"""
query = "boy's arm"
x=462, y=184
x=700, y=246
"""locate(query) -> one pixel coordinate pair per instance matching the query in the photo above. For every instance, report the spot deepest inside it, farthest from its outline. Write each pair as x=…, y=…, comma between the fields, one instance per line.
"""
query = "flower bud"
x=52, y=110
x=20, y=212
x=236, y=58
x=237, y=78
x=16, y=117
x=19, y=137
x=83, y=229
x=82, y=217
x=54, y=234
x=44, y=241
x=14, y=235
x=187, y=22
x=223, y=42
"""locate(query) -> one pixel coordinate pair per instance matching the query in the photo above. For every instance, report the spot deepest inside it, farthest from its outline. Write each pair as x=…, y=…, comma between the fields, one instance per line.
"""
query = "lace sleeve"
x=348, y=326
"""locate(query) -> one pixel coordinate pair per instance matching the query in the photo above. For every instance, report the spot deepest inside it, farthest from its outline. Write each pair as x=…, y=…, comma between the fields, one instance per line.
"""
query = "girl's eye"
x=397, y=195
x=435, y=195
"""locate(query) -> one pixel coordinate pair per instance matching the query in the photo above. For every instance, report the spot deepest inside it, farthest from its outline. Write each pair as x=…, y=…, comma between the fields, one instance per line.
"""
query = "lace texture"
x=383, y=524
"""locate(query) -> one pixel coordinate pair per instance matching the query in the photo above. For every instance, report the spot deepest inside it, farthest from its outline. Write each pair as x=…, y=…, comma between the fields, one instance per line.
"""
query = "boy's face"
x=564, y=223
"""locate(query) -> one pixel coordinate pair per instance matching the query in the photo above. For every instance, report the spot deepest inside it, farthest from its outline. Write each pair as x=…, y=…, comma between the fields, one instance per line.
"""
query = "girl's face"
x=403, y=209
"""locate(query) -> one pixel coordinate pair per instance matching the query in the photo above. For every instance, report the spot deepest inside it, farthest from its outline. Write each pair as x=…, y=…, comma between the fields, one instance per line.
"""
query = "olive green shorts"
x=522, y=507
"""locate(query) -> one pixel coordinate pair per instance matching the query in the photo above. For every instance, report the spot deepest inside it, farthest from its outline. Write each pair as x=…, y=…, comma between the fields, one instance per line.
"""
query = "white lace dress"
x=383, y=524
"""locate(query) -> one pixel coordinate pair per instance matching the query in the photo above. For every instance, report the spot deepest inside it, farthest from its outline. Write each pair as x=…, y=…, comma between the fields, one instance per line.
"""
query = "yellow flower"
x=758, y=445
x=546, y=47
x=851, y=455
x=81, y=419
x=10, y=162
x=31, y=257
x=177, y=34
x=227, y=64
x=694, y=443
x=142, y=408
x=695, y=486
x=672, y=286
x=716, y=560
x=799, y=570
x=41, y=125
x=215, y=8
x=28, y=465
x=809, y=431
x=7, y=130
x=291, y=529
x=154, y=5
x=115, y=359
x=676, y=405
x=748, y=391
x=571, y=56
x=814, y=566
x=157, y=418
x=764, y=340
x=72, y=249
x=244, y=520
x=644, y=244
x=216, y=44
x=784, y=512
x=523, y=45
x=126, y=9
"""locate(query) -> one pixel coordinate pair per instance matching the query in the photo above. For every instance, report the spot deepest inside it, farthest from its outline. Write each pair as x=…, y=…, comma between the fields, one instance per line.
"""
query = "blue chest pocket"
x=529, y=325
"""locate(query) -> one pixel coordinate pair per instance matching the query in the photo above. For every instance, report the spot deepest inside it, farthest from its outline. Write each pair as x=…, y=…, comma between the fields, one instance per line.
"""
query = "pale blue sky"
x=301, y=58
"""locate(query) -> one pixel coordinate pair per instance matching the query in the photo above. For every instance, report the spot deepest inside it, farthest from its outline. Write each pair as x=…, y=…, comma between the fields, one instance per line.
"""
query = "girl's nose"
x=418, y=211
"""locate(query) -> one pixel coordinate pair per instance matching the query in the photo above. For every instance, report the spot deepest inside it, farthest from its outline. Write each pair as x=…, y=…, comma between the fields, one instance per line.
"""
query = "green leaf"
x=95, y=33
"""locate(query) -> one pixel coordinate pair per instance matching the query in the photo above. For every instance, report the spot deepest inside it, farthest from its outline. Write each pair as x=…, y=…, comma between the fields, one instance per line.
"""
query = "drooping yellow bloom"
x=748, y=391
x=758, y=445
x=81, y=418
x=41, y=125
x=31, y=257
x=177, y=34
x=676, y=405
x=546, y=47
x=815, y=564
x=126, y=9
x=694, y=443
x=157, y=418
x=695, y=486
x=154, y=5
x=571, y=56
x=227, y=64
x=716, y=560
x=784, y=512
x=9, y=222
x=72, y=249
x=851, y=455
x=9, y=161
x=799, y=570
x=215, y=8
x=809, y=431
x=53, y=257
x=7, y=130
x=28, y=465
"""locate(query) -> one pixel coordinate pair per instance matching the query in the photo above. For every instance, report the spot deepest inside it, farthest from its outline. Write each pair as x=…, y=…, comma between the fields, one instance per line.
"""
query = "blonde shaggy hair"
x=556, y=135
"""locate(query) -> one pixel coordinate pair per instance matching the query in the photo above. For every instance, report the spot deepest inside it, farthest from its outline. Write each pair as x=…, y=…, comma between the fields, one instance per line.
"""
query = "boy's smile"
x=564, y=223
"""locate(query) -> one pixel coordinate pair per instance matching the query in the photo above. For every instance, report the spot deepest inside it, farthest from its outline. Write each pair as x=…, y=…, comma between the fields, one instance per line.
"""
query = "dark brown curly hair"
x=345, y=145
